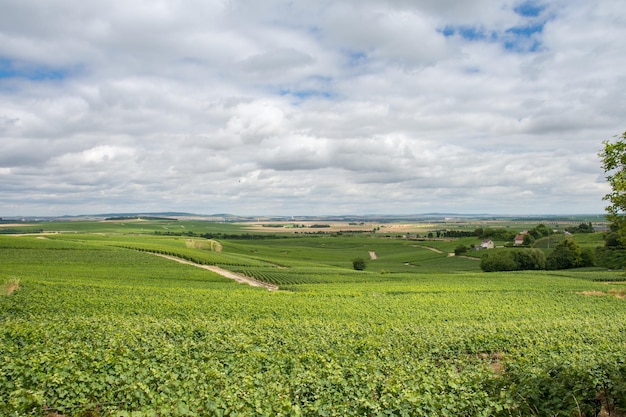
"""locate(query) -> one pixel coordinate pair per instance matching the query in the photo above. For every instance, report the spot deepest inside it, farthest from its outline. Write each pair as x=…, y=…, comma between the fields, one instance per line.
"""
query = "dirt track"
x=428, y=247
x=242, y=279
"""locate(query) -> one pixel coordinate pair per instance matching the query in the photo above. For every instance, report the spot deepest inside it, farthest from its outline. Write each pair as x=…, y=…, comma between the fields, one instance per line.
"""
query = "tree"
x=587, y=257
x=581, y=228
x=529, y=259
x=461, y=249
x=528, y=239
x=543, y=230
x=612, y=240
x=498, y=261
x=614, y=164
x=566, y=254
x=358, y=264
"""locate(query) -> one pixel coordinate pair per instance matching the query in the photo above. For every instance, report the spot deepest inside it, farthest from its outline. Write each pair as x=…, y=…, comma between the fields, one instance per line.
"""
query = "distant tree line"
x=501, y=234
x=11, y=231
x=119, y=218
x=581, y=228
x=222, y=235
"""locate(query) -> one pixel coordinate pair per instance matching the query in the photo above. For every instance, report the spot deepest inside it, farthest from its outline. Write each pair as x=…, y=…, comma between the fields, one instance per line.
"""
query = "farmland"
x=96, y=325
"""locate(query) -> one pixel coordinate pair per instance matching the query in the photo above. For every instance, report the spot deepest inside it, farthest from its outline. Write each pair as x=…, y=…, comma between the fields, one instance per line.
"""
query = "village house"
x=487, y=244
x=519, y=239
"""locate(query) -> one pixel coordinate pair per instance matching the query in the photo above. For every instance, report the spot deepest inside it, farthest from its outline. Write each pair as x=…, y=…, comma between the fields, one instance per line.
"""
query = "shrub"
x=358, y=264
x=461, y=249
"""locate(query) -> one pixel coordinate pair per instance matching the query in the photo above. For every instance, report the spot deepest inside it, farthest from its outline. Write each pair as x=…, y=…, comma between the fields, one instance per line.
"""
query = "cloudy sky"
x=295, y=107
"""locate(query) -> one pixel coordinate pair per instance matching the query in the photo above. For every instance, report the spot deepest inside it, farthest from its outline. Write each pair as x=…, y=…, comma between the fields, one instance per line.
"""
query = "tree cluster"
x=537, y=232
x=581, y=228
x=513, y=260
x=567, y=254
x=501, y=234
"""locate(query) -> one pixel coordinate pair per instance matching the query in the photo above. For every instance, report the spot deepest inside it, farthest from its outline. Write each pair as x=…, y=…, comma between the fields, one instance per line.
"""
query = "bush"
x=461, y=249
x=358, y=264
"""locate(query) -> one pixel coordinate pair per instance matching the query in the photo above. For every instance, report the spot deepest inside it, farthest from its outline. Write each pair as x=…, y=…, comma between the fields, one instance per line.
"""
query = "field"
x=93, y=324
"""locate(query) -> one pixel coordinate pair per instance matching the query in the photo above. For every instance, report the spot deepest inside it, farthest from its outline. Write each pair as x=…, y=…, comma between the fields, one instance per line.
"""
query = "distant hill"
x=370, y=218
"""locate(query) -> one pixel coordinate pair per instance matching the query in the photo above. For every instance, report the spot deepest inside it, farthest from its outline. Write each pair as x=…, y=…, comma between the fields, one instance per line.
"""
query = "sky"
x=299, y=107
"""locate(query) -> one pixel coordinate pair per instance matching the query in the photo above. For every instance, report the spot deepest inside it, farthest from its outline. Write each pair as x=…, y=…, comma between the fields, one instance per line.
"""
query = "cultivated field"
x=94, y=324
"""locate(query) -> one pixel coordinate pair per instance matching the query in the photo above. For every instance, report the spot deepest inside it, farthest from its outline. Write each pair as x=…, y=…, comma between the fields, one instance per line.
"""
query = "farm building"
x=487, y=244
x=519, y=239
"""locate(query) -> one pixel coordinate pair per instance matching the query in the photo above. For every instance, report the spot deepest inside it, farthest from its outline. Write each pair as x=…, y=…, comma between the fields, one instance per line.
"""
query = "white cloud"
x=294, y=107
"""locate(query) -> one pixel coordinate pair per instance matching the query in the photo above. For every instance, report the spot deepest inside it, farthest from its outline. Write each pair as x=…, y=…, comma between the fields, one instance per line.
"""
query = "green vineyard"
x=96, y=325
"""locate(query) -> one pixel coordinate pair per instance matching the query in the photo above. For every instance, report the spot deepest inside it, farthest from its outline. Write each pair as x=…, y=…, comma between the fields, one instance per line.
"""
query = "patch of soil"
x=9, y=288
x=616, y=293
x=495, y=361
x=594, y=293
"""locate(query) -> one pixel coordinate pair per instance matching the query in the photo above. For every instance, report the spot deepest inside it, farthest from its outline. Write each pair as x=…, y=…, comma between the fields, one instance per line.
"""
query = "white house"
x=487, y=244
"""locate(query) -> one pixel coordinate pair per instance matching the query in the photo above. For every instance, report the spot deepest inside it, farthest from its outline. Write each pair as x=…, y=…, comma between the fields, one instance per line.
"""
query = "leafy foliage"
x=581, y=228
x=460, y=250
x=613, y=258
x=498, y=261
x=513, y=260
x=614, y=164
x=496, y=234
x=567, y=254
x=531, y=259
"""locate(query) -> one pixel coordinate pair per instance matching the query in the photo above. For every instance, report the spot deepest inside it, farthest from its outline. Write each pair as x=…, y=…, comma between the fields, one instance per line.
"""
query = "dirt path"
x=469, y=257
x=242, y=279
x=428, y=247
x=373, y=255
